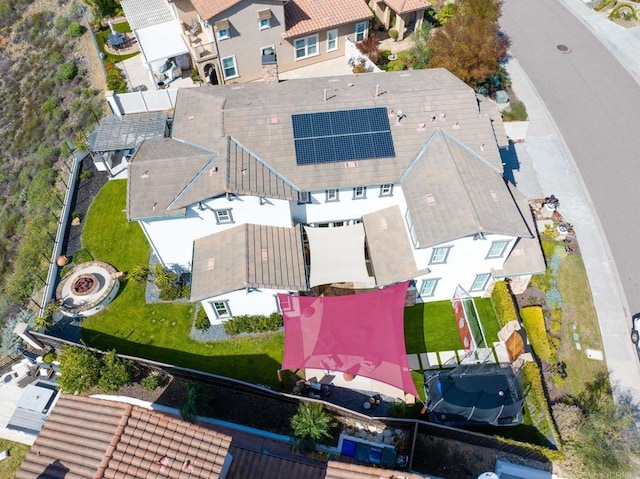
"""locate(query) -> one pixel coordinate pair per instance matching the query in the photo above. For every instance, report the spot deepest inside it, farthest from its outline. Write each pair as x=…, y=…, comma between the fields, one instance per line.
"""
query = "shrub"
x=395, y=66
x=195, y=75
x=85, y=175
x=533, y=321
x=369, y=47
x=537, y=401
x=140, y=273
x=202, y=320
x=163, y=277
x=446, y=13
x=393, y=33
x=503, y=303
x=115, y=81
x=515, y=112
x=76, y=215
x=114, y=373
x=11, y=341
x=604, y=4
x=75, y=30
x=253, y=324
x=150, y=382
x=311, y=424
x=79, y=370
x=67, y=72
x=49, y=357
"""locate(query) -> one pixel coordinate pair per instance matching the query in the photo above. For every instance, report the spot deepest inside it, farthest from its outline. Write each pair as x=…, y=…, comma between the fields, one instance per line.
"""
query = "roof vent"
x=350, y=164
x=211, y=263
x=265, y=254
x=153, y=207
x=456, y=125
x=431, y=200
x=243, y=171
x=421, y=127
x=383, y=224
x=443, y=116
x=213, y=170
x=494, y=195
x=145, y=175
x=273, y=120
x=190, y=117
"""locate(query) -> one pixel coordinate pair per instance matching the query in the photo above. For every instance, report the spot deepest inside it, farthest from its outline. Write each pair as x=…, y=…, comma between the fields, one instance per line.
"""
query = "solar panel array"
x=344, y=135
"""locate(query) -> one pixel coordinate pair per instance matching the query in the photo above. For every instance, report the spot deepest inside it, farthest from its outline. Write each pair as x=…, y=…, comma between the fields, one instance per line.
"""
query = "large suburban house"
x=355, y=181
x=237, y=41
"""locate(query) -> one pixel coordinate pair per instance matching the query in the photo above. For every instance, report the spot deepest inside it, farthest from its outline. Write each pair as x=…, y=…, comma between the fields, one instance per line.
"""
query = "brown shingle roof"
x=86, y=438
x=389, y=246
x=405, y=6
x=163, y=170
x=452, y=193
x=248, y=256
x=342, y=470
x=249, y=464
x=309, y=16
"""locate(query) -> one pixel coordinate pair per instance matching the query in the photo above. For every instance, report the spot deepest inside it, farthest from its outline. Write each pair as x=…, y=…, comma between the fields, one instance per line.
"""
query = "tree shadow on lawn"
x=256, y=368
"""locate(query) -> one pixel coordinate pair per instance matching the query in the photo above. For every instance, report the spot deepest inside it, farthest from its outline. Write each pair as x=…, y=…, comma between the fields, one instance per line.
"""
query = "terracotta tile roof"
x=248, y=256
x=88, y=438
x=308, y=16
x=343, y=470
x=406, y=6
x=211, y=8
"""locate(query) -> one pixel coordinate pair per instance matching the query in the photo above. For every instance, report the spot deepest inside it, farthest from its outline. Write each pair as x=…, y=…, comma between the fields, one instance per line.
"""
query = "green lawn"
x=160, y=331
x=432, y=327
x=17, y=453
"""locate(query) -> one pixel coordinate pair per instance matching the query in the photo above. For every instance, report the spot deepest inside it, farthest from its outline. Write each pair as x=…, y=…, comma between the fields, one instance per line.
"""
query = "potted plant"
x=393, y=34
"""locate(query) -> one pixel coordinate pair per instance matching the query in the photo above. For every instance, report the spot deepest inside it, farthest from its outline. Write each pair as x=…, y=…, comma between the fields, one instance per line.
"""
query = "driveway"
x=595, y=104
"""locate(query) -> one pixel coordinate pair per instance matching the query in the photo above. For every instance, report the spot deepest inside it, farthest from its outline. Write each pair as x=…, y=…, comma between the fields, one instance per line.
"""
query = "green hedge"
x=202, y=320
x=503, y=304
x=537, y=401
x=253, y=324
x=604, y=4
x=533, y=320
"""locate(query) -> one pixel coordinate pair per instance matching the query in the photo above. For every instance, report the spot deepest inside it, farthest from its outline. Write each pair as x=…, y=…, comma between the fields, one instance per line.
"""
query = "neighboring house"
x=361, y=181
x=89, y=438
x=404, y=15
x=237, y=41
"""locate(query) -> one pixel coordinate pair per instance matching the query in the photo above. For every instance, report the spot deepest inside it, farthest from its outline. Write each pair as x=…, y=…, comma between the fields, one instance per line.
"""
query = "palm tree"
x=310, y=424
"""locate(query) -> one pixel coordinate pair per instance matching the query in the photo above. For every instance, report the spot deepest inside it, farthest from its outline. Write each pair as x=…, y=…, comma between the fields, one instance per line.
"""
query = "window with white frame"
x=264, y=19
x=386, y=190
x=221, y=309
x=306, y=47
x=497, y=249
x=412, y=229
x=265, y=23
x=304, y=197
x=229, y=67
x=332, y=40
x=359, y=192
x=428, y=287
x=223, y=216
x=361, y=31
x=331, y=195
x=222, y=29
x=439, y=255
x=480, y=283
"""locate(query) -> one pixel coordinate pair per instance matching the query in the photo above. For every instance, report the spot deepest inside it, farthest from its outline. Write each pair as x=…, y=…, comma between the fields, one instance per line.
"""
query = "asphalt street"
x=595, y=104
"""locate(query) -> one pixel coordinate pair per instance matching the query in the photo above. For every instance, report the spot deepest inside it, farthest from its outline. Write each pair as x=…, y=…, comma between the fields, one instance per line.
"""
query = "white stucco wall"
x=172, y=238
x=241, y=302
x=321, y=211
x=467, y=258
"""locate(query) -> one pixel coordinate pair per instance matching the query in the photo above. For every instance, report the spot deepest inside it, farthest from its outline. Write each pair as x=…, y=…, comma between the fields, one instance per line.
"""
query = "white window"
x=264, y=19
x=221, y=308
x=359, y=192
x=223, y=34
x=480, y=283
x=265, y=23
x=412, y=229
x=229, y=67
x=332, y=195
x=497, y=249
x=361, y=31
x=304, y=197
x=428, y=287
x=332, y=40
x=386, y=190
x=223, y=216
x=306, y=47
x=439, y=255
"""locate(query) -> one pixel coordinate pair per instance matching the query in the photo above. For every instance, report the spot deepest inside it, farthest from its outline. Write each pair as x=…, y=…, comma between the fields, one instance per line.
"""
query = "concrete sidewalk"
x=547, y=167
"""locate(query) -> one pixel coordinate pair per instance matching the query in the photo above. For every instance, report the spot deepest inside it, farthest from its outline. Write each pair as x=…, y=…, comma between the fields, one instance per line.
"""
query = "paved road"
x=596, y=105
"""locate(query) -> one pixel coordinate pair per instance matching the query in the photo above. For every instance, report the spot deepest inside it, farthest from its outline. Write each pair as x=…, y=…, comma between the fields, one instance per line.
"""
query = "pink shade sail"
x=361, y=334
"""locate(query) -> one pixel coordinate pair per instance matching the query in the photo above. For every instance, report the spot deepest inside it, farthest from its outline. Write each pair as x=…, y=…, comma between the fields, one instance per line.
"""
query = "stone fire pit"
x=87, y=288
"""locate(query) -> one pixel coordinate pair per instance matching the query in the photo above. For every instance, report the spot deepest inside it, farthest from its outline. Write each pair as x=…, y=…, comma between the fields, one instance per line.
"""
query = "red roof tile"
x=342, y=470
x=89, y=438
x=210, y=8
x=405, y=6
x=308, y=16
